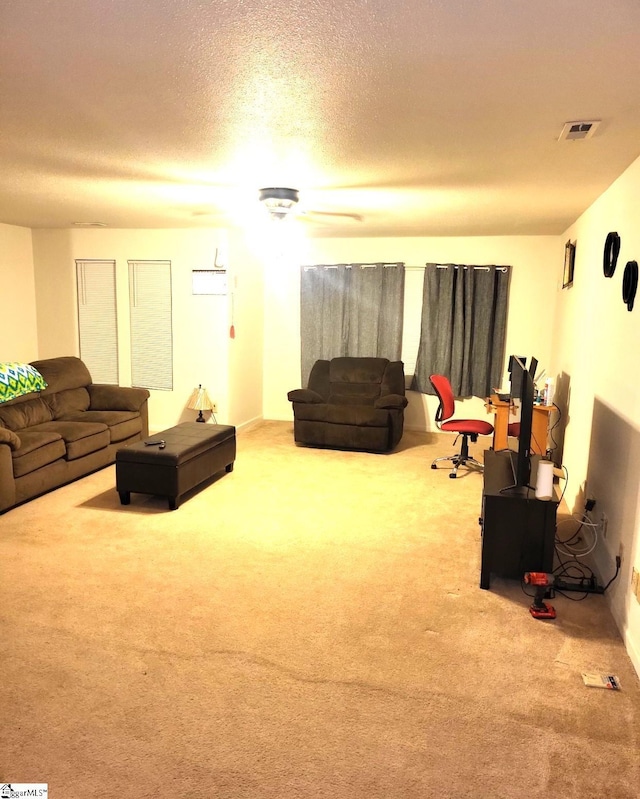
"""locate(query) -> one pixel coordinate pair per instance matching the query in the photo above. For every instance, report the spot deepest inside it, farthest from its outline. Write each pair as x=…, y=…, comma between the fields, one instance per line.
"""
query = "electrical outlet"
x=603, y=524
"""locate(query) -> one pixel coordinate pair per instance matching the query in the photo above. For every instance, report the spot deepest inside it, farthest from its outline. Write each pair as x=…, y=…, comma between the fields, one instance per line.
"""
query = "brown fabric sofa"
x=351, y=403
x=67, y=430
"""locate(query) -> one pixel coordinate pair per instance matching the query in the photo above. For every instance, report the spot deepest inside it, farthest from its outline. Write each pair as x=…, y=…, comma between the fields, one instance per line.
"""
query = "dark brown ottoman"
x=192, y=453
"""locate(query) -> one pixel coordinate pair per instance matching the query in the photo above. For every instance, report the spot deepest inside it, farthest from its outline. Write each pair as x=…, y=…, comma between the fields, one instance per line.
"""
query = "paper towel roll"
x=544, y=480
x=548, y=391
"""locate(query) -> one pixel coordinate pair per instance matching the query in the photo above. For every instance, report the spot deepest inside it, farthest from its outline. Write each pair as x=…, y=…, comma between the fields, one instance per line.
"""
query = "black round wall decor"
x=630, y=284
x=611, y=252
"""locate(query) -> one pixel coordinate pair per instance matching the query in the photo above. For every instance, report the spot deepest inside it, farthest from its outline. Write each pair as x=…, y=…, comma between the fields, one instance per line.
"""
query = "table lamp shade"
x=200, y=401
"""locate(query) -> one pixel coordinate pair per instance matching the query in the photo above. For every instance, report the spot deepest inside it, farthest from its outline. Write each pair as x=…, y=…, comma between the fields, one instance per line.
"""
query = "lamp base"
x=200, y=417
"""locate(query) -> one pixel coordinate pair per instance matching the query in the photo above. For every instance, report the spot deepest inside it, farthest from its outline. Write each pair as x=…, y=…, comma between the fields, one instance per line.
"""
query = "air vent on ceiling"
x=575, y=131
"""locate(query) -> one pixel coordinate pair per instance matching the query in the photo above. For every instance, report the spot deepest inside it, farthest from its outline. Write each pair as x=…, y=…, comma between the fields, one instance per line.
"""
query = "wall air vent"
x=576, y=131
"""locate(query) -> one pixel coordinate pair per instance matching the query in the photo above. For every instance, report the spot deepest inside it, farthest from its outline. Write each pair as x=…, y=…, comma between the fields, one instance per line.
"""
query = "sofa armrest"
x=10, y=438
x=304, y=395
x=106, y=397
x=391, y=401
x=7, y=480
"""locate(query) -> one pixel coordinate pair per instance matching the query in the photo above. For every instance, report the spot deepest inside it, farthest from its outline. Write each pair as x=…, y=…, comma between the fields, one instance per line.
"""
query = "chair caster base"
x=469, y=463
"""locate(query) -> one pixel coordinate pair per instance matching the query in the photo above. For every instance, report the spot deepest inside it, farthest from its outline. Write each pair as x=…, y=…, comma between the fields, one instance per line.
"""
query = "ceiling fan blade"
x=312, y=215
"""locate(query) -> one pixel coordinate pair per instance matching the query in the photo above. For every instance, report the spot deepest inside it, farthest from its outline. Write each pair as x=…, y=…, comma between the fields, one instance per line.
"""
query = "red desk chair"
x=467, y=428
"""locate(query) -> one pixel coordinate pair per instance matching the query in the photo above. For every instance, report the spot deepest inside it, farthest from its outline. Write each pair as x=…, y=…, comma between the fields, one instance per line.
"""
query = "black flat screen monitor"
x=522, y=464
x=517, y=364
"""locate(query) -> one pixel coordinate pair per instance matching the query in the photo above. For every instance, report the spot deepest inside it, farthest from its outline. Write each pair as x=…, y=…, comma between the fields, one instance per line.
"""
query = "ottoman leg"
x=125, y=497
x=228, y=468
x=173, y=502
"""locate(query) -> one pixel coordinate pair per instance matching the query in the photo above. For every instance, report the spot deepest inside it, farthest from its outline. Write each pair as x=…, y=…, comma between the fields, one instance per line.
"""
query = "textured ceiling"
x=425, y=117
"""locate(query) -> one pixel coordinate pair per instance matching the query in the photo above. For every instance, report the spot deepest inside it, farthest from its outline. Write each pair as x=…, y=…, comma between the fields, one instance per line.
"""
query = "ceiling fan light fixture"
x=279, y=202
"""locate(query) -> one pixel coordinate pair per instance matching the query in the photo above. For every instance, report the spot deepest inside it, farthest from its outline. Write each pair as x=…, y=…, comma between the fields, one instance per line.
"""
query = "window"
x=151, y=326
x=464, y=319
x=97, y=319
x=351, y=309
x=414, y=279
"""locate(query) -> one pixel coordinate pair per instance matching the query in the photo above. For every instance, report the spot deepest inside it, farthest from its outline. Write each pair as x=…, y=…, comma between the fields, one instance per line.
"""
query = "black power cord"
x=572, y=575
x=618, y=564
x=553, y=427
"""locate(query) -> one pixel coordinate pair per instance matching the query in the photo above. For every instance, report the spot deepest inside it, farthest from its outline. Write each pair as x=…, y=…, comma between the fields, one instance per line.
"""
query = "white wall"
x=245, y=384
x=597, y=361
x=537, y=271
x=249, y=375
x=18, y=331
x=200, y=323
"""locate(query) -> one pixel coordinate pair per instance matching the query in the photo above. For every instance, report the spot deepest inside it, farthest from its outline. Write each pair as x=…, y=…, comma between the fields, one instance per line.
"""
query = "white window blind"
x=97, y=320
x=151, y=328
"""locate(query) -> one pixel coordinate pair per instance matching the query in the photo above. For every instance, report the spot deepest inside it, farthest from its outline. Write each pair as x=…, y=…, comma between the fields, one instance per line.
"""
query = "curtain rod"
x=457, y=266
x=407, y=268
x=465, y=266
x=351, y=266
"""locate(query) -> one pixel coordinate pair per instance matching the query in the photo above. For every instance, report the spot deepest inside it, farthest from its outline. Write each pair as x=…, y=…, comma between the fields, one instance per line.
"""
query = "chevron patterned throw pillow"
x=17, y=379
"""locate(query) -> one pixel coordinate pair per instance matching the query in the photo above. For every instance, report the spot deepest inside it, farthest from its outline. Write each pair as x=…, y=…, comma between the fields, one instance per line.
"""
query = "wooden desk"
x=539, y=425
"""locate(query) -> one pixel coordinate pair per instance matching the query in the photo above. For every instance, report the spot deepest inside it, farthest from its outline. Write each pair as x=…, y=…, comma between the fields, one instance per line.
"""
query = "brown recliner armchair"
x=351, y=403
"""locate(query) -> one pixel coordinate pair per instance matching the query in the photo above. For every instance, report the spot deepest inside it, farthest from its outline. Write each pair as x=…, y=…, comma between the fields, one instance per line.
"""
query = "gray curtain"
x=464, y=319
x=351, y=309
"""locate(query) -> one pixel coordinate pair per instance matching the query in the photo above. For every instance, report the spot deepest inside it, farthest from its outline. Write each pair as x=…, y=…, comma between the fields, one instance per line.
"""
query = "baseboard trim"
x=249, y=424
x=633, y=649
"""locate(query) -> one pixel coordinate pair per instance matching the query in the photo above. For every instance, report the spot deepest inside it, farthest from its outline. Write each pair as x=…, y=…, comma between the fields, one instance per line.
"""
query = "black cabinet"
x=518, y=530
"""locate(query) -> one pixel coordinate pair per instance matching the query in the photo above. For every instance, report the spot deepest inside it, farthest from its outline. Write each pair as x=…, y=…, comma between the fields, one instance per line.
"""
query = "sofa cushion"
x=105, y=397
x=343, y=436
x=63, y=373
x=80, y=438
x=37, y=450
x=69, y=401
x=19, y=415
x=359, y=415
x=121, y=424
x=363, y=415
x=319, y=378
x=357, y=370
x=17, y=379
x=353, y=394
x=355, y=380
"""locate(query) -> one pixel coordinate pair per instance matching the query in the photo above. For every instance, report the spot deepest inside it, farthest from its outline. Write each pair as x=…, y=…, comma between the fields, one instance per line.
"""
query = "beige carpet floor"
x=309, y=625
